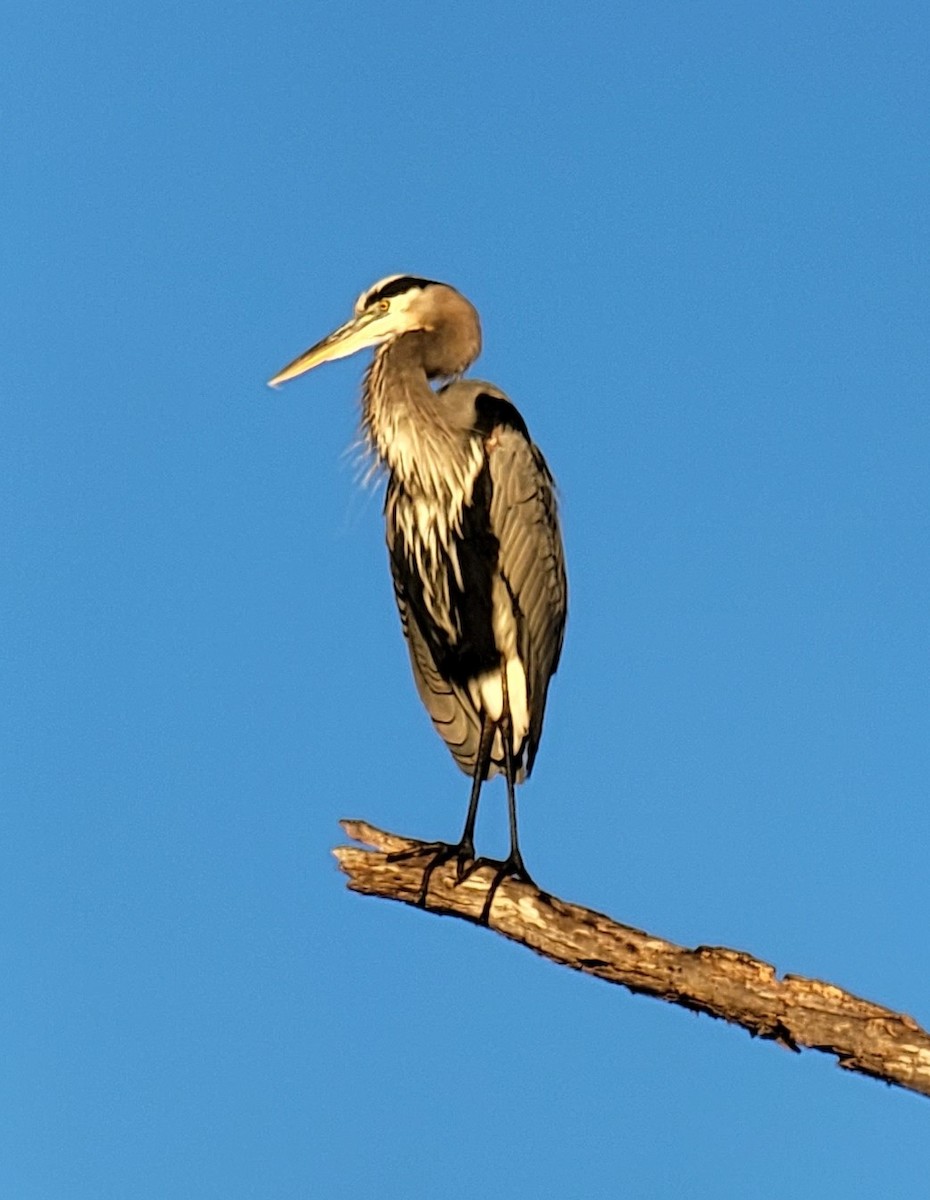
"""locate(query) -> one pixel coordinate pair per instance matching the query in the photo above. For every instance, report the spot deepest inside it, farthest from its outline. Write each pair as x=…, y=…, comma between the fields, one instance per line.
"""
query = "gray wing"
x=531, y=560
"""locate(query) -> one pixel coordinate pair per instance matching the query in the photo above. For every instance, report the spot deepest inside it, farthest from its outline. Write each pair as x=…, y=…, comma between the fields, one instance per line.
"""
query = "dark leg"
x=513, y=866
x=462, y=851
x=482, y=762
x=515, y=862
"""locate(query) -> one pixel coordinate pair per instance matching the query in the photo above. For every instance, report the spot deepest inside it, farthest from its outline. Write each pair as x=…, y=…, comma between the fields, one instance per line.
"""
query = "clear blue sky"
x=698, y=237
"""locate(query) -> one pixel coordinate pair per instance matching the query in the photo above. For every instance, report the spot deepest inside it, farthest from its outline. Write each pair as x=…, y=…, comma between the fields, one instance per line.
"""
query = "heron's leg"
x=462, y=851
x=515, y=859
x=482, y=765
x=513, y=866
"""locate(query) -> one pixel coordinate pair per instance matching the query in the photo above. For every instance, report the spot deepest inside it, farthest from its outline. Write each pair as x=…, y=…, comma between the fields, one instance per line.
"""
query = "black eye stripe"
x=396, y=287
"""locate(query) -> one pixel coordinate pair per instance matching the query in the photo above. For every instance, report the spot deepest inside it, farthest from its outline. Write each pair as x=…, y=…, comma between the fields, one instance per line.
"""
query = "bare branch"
x=793, y=1010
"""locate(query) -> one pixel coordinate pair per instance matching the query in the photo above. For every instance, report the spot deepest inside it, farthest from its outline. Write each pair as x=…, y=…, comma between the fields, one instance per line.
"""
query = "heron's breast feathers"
x=427, y=532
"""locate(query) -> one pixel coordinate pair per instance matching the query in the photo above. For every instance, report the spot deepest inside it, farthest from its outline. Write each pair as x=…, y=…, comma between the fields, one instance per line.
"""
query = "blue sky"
x=698, y=238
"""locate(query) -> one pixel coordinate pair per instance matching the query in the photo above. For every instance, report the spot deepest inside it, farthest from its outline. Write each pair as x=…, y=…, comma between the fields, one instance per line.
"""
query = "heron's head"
x=393, y=307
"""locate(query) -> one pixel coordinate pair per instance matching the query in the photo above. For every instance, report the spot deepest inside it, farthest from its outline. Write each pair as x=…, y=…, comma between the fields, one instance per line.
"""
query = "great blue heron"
x=472, y=533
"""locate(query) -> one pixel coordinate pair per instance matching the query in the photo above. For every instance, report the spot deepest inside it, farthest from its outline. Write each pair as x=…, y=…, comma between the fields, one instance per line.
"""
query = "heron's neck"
x=408, y=427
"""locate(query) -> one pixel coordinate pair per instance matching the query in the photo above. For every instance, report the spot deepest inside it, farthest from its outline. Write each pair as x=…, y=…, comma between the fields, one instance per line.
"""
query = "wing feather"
x=531, y=561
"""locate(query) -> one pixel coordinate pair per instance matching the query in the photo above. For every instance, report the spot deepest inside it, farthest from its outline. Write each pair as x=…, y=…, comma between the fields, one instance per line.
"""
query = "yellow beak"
x=358, y=334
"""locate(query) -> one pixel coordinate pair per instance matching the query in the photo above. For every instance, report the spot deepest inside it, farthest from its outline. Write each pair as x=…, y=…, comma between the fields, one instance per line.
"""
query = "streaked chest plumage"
x=429, y=518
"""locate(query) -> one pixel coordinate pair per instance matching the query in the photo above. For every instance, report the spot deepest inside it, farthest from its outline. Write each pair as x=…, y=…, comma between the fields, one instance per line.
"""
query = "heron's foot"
x=511, y=867
x=441, y=852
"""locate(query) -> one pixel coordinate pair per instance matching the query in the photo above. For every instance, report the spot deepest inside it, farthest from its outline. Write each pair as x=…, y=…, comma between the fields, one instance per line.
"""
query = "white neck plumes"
x=410, y=432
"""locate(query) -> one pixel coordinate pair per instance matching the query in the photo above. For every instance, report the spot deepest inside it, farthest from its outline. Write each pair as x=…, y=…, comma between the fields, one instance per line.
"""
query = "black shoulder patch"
x=492, y=411
x=397, y=287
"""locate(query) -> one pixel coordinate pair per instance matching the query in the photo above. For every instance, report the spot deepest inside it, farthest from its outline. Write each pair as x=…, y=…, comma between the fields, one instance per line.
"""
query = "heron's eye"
x=384, y=305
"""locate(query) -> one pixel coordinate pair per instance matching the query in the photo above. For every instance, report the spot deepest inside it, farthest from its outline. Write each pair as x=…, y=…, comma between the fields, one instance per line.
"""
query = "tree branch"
x=729, y=984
